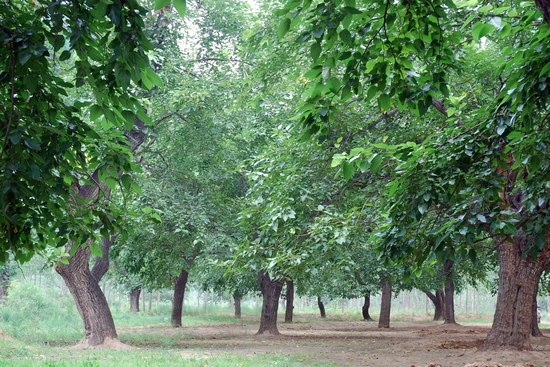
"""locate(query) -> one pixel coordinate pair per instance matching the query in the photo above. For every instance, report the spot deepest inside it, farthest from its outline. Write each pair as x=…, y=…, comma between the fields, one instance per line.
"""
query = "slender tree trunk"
x=321, y=308
x=385, y=305
x=366, y=306
x=90, y=300
x=134, y=299
x=438, y=299
x=271, y=291
x=179, y=292
x=289, y=301
x=449, y=292
x=237, y=299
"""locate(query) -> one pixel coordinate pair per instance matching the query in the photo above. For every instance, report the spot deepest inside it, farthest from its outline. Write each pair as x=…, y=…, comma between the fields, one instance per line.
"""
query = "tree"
x=48, y=143
x=484, y=166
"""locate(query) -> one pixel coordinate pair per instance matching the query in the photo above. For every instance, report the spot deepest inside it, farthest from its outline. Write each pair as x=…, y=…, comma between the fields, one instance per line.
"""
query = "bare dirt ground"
x=357, y=343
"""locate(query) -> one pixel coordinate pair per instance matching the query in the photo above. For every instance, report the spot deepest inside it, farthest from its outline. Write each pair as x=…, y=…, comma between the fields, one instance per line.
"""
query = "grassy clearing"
x=15, y=353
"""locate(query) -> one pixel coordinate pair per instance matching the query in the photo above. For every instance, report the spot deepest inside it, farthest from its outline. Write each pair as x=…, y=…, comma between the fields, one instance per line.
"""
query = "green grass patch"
x=16, y=354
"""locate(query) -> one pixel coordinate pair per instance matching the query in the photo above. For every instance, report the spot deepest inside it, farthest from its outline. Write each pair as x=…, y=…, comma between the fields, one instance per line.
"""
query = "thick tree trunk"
x=177, y=302
x=321, y=306
x=449, y=292
x=271, y=291
x=365, y=308
x=385, y=305
x=289, y=301
x=544, y=6
x=518, y=279
x=90, y=300
x=237, y=299
x=134, y=299
x=438, y=299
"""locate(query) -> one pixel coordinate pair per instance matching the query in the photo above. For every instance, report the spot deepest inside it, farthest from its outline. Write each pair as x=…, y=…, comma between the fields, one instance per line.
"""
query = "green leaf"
x=181, y=7
x=481, y=30
x=111, y=182
x=126, y=181
x=315, y=51
x=32, y=144
x=95, y=112
x=347, y=170
x=345, y=36
x=147, y=210
x=481, y=218
x=153, y=78
x=123, y=78
x=95, y=249
x=114, y=13
x=545, y=69
x=333, y=84
x=159, y=4
x=283, y=28
x=376, y=161
x=384, y=101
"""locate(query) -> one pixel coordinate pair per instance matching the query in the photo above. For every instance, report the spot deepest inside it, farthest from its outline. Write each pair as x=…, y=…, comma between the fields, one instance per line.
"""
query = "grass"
x=15, y=353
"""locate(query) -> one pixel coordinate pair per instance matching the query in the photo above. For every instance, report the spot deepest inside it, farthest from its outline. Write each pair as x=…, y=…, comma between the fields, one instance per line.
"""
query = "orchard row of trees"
x=338, y=147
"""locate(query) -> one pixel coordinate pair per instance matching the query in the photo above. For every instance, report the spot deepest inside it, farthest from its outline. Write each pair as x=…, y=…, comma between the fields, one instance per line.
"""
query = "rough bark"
x=365, y=308
x=134, y=299
x=321, y=306
x=544, y=6
x=82, y=282
x=385, y=305
x=519, y=273
x=518, y=279
x=237, y=299
x=179, y=293
x=271, y=291
x=90, y=301
x=289, y=295
x=449, y=292
x=438, y=299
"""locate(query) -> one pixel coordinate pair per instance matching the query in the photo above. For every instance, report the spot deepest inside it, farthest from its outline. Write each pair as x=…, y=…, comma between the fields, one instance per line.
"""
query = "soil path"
x=356, y=343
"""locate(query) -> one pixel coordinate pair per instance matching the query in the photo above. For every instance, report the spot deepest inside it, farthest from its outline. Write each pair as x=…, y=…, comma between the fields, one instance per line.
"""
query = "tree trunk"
x=289, y=301
x=90, y=300
x=544, y=6
x=271, y=291
x=385, y=305
x=237, y=300
x=134, y=299
x=438, y=299
x=449, y=292
x=518, y=279
x=321, y=308
x=366, y=306
x=179, y=292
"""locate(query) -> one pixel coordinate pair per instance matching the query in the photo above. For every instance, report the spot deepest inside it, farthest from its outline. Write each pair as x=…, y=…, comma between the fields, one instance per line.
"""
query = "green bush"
x=32, y=315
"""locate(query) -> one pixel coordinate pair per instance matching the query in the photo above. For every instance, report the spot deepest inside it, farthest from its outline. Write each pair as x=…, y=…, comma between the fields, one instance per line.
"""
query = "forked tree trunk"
x=90, y=301
x=438, y=299
x=237, y=300
x=82, y=282
x=321, y=306
x=517, y=285
x=179, y=293
x=449, y=292
x=365, y=308
x=385, y=305
x=134, y=299
x=271, y=291
x=289, y=301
